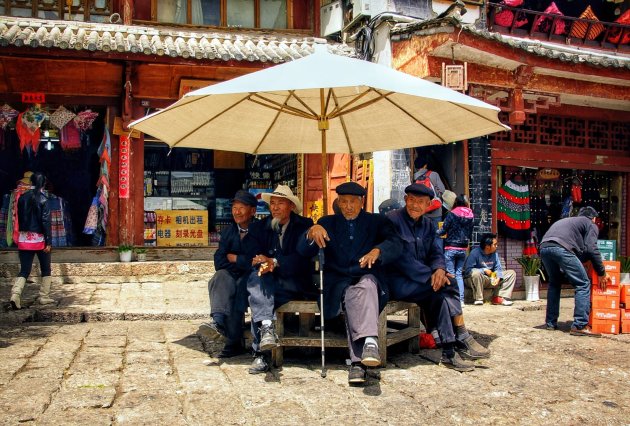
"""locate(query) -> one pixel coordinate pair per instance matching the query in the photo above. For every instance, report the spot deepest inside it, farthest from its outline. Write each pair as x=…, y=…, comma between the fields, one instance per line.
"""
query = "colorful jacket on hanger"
x=513, y=213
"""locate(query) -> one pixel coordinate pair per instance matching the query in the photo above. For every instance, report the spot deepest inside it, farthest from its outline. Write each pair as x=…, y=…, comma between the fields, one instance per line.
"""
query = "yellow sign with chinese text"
x=182, y=228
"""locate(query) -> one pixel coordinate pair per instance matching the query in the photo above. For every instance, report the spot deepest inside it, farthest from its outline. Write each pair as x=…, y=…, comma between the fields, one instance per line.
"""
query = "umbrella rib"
x=208, y=121
x=342, y=111
x=297, y=98
x=262, y=140
x=282, y=107
x=415, y=119
x=343, y=123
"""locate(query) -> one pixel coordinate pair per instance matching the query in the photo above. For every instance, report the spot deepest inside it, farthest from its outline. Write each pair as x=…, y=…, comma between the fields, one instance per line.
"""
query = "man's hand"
x=370, y=258
x=488, y=272
x=47, y=249
x=439, y=279
x=231, y=257
x=318, y=234
x=265, y=264
x=604, y=281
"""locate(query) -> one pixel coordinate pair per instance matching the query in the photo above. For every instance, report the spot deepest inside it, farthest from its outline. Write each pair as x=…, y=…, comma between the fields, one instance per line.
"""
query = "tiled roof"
x=557, y=51
x=263, y=46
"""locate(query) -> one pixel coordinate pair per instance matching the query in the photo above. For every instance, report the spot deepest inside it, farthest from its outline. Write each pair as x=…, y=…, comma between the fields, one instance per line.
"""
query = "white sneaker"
x=478, y=302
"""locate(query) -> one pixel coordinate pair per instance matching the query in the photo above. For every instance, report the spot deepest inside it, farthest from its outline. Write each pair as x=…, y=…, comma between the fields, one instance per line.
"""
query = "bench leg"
x=382, y=337
x=277, y=354
x=413, y=320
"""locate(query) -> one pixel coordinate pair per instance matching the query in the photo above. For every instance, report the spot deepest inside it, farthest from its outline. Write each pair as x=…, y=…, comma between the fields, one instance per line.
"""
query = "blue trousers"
x=560, y=262
x=455, y=265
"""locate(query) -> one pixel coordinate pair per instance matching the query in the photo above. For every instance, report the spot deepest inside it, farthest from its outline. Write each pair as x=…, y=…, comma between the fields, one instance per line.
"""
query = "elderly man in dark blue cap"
x=356, y=246
x=227, y=287
x=419, y=276
x=567, y=244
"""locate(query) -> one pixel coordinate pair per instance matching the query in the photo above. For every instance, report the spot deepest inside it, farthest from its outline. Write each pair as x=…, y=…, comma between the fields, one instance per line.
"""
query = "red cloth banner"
x=124, y=159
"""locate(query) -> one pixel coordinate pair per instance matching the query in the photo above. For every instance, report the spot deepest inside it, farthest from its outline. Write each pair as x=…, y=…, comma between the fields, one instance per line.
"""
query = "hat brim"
x=266, y=197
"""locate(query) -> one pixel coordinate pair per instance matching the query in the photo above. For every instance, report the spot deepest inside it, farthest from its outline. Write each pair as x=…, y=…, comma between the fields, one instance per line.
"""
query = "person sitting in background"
x=483, y=269
x=227, y=287
x=280, y=273
x=457, y=231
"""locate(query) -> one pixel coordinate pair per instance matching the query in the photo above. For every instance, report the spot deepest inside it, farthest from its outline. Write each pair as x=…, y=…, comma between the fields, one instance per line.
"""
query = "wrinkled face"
x=492, y=247
x=350, y=205
x=280, y=208
x=416, y=205
x=242, y=214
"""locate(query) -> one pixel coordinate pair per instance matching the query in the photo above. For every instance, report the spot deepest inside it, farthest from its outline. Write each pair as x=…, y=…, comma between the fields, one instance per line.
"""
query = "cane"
x=321, y=306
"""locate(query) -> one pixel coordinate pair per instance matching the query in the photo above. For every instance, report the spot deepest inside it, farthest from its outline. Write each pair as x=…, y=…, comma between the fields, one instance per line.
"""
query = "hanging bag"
x=426, y=181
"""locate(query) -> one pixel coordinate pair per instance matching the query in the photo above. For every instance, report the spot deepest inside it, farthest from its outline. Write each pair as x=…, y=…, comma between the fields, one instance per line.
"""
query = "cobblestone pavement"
x=159, y=372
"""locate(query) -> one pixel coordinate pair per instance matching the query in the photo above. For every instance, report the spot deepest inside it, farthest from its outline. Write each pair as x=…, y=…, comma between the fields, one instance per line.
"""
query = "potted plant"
x=625, y=269
x=124, y=252
x=532, y=272
x=141, y=254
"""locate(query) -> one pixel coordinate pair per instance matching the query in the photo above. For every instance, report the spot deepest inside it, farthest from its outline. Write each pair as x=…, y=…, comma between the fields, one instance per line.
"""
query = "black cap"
x=351, y=188
x=389, y=205
x=419, y=189
x=588, y=211
x=245, y=197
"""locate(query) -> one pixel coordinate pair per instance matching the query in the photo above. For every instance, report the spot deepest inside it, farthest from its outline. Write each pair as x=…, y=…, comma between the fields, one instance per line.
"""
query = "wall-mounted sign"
x=182, y=228
x=124, y=159
x=33, y=98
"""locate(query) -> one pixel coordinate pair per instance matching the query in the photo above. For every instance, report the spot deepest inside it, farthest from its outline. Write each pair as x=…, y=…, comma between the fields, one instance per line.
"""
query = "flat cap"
x=351, y=188
x=419, y=189
x=245, y=197
x=388, y=205
x=588, y=211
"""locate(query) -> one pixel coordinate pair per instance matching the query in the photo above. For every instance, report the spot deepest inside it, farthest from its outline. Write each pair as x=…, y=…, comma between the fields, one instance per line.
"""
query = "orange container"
x=606, y=327
x=625, y=327
x=615, y=278
x=598, y=314
x=625, y=295
x=625, y=314
x=612, y=266
x=609, y=292
x=604, y=302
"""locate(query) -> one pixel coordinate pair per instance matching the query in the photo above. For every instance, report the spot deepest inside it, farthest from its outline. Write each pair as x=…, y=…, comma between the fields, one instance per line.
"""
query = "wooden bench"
x=389, y=332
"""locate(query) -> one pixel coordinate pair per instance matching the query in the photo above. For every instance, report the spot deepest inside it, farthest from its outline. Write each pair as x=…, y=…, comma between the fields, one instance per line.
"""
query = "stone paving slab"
x=158, y=372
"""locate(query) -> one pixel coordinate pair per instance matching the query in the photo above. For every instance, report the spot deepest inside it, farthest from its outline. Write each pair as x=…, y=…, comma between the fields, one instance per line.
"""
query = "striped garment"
x=578, y=29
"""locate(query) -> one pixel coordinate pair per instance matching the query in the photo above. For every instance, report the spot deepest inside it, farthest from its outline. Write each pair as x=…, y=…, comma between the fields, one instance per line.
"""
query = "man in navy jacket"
x=227, y=287
x=356, y=246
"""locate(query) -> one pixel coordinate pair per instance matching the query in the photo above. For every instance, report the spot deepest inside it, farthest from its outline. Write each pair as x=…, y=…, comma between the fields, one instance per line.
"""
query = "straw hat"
x=26, y=179
x=448, y=199
x=283, y=191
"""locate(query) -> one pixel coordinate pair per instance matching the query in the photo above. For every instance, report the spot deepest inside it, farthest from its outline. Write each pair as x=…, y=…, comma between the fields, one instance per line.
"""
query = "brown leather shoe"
x=586, y=331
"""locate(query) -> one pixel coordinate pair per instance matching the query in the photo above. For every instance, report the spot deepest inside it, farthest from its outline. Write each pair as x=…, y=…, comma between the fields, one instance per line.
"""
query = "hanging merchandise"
x=513, y=212
x=7, y=114
x=61, y=117
x=70, y=138
x=96, y=221
x=84, y=120
x=29, y=140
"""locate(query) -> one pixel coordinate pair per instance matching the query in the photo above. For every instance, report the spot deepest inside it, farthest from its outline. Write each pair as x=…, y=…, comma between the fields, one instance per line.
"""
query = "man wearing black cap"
x=356, y=246
x=567, y=244
x=227, y=287
x=419, y=276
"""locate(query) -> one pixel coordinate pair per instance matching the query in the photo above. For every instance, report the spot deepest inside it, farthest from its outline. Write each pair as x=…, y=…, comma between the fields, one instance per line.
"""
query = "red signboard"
x=33, y=98
x=124, y=154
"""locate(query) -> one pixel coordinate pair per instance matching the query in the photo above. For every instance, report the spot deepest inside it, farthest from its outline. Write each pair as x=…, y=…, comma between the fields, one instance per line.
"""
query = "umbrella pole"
x=323, y=125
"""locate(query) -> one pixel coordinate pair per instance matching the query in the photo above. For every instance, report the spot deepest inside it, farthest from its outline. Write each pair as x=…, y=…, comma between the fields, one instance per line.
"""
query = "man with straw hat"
x=280, y=273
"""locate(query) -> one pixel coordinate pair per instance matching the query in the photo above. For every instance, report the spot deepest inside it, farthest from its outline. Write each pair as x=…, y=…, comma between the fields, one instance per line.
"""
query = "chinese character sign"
x=182, y=228
x=124, y=181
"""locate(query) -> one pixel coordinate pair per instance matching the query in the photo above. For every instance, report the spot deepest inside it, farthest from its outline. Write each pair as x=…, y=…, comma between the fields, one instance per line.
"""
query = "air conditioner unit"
x=331, y=18
x=361, y=8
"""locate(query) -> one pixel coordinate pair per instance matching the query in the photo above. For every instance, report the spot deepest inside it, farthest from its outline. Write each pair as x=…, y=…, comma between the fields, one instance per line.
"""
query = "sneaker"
x=371, y=357
x=259, y=365
x=471, y=348
x=212, y=331
x=456, y=363
x=478, y=302
x=357, y=374
x=498, y=300
x=586, y=331
x=268, y=338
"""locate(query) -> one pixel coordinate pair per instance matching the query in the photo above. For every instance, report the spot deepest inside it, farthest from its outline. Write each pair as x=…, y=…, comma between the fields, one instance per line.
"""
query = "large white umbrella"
x=321, y=103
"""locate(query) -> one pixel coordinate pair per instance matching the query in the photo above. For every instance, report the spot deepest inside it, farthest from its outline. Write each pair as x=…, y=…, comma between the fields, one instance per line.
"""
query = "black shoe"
x=470, y=348
x=259, y=365
x=230, y=351
x=357, y=375
x=370, y=357
x=268, y=338
x=456, y=363
x=551, y=327
x=212, y=331
x=586, y=331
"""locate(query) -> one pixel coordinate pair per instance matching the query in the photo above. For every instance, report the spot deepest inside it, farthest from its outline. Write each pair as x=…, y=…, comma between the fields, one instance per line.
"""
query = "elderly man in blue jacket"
x=419, y=276
x=356, y=246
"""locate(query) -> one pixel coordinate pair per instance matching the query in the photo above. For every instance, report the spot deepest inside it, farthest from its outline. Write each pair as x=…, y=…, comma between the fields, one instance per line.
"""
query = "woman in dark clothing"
x=457, y=231
x=34, y=238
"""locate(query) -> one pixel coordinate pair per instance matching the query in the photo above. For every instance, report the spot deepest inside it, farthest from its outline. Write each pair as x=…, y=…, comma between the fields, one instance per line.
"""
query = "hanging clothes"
x=513, y=212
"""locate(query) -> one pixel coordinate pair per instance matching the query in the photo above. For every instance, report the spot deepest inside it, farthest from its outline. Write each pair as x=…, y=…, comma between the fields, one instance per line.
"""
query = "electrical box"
x=331, y=18
x=361, y=8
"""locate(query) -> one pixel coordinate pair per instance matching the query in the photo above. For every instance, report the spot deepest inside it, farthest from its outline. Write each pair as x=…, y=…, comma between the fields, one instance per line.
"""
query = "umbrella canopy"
x=321, y=103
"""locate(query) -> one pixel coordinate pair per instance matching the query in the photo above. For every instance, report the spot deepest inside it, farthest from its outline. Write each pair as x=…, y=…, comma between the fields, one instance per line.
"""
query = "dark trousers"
x=440, y=305
x=26, y=262
x=228, y=297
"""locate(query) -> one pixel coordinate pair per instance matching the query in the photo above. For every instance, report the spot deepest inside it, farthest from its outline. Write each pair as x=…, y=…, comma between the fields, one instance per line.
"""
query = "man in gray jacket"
x=567, y=244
